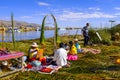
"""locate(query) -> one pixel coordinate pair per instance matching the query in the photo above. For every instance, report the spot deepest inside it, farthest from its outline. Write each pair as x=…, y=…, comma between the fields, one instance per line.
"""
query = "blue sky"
x=69, y=13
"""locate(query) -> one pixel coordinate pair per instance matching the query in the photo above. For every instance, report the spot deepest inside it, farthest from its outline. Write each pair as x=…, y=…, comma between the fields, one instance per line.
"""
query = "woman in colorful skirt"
x=72, y=54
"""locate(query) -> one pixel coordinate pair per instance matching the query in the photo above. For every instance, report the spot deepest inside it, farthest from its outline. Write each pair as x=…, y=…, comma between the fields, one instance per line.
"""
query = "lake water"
x=36, y=34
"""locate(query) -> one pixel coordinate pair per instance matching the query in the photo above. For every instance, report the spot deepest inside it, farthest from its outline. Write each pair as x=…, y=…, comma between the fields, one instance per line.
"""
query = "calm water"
x=35, y=34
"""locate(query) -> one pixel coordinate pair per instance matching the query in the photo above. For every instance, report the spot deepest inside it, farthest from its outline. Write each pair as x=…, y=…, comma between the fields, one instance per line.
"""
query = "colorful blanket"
x=94, y=51
x=44, y=69
x=11, y=56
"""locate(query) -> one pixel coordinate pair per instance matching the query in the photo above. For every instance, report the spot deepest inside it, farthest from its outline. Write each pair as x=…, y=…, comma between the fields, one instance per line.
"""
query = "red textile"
x=43, y=61
x=32, y=59
x=29, y=66
x=48, y=70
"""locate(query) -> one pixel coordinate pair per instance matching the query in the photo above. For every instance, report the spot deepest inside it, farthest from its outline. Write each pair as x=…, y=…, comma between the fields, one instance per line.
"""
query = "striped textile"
x=11, y=56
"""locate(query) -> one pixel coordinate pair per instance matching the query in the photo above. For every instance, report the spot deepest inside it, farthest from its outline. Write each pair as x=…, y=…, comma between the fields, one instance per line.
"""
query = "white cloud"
x=117, y=8
x=80, y=15
x=43, y=4
x=26, y=17
x=94, y=8
x=117, y=14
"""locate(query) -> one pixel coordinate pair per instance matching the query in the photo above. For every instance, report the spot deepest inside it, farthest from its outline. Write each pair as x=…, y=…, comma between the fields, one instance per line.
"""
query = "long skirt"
x=72, y=57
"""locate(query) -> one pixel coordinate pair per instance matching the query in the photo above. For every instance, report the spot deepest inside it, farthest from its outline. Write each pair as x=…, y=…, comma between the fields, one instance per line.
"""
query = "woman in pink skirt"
x=72, y=55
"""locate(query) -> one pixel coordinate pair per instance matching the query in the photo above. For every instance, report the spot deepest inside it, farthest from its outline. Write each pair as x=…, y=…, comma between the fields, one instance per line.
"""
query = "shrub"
x=104, y=33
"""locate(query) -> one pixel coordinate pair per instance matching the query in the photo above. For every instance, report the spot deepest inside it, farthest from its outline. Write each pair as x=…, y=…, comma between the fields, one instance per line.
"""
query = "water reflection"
x=7, y=37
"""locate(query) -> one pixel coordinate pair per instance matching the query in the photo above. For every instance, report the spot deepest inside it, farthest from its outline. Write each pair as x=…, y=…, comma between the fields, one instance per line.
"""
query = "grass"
x=87, y=67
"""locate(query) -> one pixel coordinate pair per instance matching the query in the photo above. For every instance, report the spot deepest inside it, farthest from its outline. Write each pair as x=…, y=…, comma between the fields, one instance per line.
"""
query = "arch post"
x=56, y=35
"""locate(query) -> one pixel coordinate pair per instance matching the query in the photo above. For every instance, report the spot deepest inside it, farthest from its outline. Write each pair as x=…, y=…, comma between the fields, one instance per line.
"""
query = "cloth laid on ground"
x=49, y=69
x=43, y=69
x=94, y=51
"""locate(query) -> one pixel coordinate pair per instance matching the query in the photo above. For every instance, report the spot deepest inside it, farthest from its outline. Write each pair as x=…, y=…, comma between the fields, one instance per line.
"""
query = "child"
x=78, y=47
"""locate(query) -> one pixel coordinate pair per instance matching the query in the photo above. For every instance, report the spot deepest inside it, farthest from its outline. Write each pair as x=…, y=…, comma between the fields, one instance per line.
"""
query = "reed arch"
x=42, y=36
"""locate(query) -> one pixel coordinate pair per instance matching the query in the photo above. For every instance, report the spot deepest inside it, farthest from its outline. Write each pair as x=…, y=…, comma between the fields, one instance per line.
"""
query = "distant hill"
x=19, y=23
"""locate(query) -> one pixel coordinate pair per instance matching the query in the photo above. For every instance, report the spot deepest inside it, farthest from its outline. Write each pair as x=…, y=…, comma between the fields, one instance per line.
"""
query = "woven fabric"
x=11, y=56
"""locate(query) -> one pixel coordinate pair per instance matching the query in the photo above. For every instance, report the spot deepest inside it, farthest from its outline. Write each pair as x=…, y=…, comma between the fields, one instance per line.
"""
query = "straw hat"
x=34, y=44
x=76, y=39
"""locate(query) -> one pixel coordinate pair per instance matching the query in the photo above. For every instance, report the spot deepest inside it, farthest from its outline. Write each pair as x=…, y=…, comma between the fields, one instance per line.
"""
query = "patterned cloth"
x=11, y=56
x=94, y=51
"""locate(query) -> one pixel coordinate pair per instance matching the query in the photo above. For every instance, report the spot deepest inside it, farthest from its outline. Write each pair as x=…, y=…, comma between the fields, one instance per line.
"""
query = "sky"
x=68, y=13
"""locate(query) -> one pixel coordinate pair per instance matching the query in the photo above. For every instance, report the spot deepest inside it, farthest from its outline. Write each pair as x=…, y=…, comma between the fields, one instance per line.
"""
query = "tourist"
x=60, y=56
x=67, y=47
x=85, y=34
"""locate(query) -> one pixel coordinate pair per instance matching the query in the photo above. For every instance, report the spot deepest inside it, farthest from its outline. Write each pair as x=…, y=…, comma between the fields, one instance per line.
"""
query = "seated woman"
x=77, y=45
x=72, y=54
x=33, y=50
x=35, y=53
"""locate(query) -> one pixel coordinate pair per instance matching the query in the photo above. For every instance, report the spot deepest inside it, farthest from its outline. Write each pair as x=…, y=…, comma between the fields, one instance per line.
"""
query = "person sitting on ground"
x=72, y=54
x=40, y=56
x=33, y=50
x=35, y=54
x=60, y=56
x=66, y=47
x=77, y=45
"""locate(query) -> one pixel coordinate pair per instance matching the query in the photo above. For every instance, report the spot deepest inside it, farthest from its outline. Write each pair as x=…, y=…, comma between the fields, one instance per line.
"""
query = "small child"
x=78, y=47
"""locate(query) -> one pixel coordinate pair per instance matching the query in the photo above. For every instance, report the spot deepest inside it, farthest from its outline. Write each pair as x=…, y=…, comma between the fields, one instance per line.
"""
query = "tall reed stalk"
x=2, y=35
x=57, y=38
x=42, y=36
x=12, y=24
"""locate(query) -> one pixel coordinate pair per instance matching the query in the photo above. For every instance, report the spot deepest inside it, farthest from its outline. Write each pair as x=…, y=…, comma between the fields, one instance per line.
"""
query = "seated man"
x=60, y=56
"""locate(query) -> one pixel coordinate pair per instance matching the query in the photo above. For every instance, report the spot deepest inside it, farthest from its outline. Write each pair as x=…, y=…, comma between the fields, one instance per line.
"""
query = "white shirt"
x=60, y=57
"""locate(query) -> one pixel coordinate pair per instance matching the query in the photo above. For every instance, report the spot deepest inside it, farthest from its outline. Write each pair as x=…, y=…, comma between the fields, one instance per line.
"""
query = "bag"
x=39, y=54
x=36, y=63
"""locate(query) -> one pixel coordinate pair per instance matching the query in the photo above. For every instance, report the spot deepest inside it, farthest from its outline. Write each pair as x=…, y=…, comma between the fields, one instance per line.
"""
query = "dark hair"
x=66, y=44
x=87, y=24
x=61, y=45
x=70, y=42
